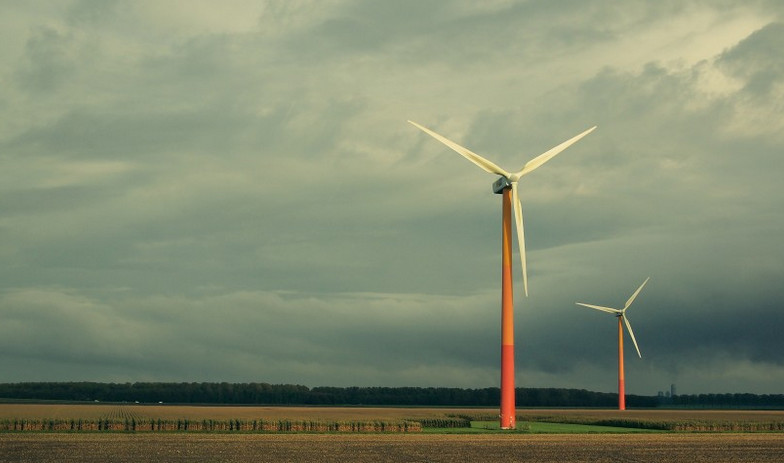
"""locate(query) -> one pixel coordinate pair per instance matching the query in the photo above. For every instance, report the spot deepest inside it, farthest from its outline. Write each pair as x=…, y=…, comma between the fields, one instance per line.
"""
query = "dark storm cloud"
x=259, y=332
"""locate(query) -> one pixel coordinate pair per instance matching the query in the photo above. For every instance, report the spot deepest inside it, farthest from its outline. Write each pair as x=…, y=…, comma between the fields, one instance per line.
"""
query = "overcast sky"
x=229, y=191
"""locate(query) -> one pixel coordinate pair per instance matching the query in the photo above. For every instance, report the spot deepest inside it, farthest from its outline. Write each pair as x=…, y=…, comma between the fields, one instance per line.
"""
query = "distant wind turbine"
x=622, y=319
x=507, y=186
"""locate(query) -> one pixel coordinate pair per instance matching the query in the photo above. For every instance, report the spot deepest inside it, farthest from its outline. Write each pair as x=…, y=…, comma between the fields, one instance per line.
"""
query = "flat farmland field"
x=196, y=412
x=347, y=448
x=97, y=411
x=659, y=414
x=100, y=446
x=666, y=420
x=38, y=415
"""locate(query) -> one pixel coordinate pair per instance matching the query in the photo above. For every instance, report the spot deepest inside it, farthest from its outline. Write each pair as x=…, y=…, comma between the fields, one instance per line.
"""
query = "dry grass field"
x=176, y=412
x=134, y=417
x=661, y=415
x=96, y=411
x=346, y=448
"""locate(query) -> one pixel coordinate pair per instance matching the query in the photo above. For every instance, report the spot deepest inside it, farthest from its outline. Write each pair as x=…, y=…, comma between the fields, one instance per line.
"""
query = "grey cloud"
x=36, y=201
x=125, y=136
x=757, y=59
x=253, y=328
x=91, y=12
x=48, y=61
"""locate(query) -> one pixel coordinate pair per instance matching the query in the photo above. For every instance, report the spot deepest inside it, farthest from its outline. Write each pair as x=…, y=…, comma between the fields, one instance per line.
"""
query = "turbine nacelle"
x=500, y=185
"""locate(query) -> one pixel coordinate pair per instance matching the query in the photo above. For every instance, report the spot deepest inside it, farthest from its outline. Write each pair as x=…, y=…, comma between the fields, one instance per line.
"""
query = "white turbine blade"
x=631, y=299
x=599, y=307
x=518, y=212
x=547, y=155
x=631, y=333
x=483, y=163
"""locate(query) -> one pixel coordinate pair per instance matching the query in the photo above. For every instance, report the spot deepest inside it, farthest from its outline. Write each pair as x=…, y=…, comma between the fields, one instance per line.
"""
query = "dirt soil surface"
x=563, y=448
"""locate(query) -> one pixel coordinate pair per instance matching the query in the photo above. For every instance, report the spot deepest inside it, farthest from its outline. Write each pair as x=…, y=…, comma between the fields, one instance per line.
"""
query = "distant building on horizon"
x=665, y=397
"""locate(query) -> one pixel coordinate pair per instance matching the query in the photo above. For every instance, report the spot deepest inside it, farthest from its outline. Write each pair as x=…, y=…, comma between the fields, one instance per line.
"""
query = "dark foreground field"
x=561, y=448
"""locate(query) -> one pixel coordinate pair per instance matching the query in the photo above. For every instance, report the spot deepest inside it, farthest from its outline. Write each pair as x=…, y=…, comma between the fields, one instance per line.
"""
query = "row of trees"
x=290, y=394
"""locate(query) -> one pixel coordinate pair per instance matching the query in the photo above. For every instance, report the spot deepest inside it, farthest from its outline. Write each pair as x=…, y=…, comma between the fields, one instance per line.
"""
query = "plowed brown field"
x=562, y=448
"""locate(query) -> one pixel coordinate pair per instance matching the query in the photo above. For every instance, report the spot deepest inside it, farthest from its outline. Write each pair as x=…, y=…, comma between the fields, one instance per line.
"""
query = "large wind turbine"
x=507, y=186
x=622, y=319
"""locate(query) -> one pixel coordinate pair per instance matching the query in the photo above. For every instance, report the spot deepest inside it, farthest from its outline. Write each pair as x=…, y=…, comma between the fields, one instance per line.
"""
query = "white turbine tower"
x=507, y=186
x=622, y=320
x=509, y=179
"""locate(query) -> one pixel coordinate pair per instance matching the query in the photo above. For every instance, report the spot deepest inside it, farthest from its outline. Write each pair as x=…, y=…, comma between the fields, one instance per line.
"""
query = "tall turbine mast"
x=507, y=187
x=508, y=417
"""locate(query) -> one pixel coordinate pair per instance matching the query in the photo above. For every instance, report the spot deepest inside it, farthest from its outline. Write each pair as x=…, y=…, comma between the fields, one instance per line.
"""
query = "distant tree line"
x=291, y=394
